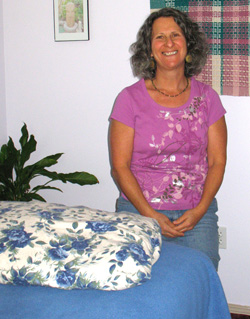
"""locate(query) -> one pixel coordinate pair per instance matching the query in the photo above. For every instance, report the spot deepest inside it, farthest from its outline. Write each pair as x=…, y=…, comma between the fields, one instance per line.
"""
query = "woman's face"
x=168, y=44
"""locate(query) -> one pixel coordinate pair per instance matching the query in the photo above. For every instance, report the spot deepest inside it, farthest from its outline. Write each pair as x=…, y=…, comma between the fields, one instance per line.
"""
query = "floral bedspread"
x=75, y=247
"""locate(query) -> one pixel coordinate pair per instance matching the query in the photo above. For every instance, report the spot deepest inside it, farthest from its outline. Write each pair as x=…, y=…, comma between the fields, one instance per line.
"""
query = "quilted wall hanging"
x=226, y=24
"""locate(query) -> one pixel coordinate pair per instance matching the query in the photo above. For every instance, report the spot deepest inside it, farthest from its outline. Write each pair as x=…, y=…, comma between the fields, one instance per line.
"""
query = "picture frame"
x=71, y=20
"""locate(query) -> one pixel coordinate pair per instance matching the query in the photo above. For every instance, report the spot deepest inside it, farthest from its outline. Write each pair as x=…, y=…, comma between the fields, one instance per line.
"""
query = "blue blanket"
x=184, y=285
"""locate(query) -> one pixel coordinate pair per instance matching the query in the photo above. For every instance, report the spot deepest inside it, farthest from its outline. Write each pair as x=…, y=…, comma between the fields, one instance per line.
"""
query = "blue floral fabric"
x=75, y=247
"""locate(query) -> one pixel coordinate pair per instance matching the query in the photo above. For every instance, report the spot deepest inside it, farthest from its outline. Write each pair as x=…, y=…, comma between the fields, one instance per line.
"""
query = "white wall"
x=2, y=83
x=65, y=92
x=234, y=205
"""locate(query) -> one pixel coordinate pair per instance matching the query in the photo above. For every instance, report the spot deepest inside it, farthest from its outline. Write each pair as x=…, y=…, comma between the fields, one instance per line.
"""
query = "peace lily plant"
x=15, y=175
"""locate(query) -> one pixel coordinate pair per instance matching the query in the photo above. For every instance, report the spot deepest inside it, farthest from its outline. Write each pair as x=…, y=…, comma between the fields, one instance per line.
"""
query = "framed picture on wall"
x=71, y=20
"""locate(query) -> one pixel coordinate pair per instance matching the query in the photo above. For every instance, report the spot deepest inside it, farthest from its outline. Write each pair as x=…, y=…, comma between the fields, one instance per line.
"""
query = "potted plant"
x=15, y=175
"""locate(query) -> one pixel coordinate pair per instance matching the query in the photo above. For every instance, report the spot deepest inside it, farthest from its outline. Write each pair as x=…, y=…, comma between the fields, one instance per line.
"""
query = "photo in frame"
x=71, y=20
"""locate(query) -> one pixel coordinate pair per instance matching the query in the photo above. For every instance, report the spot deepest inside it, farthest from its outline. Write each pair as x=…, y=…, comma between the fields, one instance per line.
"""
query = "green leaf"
x=13, y=272
x=128, y=280
x=8, y=160
x=7, y=150
x=40, y=242
x=54, y=176
x=26, y=150
x=48, y=161
x=25, y=135
x=30, y=196
x=28, y=146
x=39, y=187
x=37, y=169
x=80, y=178
x=75, y=225
x=112, y=268
x=15, y=177
x=30, y=276
x=22, y=271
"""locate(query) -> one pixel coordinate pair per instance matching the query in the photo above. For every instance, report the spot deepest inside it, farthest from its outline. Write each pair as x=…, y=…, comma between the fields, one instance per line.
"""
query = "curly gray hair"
x=197, y=45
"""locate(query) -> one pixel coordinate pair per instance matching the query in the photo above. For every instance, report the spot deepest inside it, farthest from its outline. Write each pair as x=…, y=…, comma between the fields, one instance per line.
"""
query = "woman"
x=168, y=134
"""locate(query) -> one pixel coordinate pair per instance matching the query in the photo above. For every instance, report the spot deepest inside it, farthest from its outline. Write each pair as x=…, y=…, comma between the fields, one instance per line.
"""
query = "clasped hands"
x=178, y=227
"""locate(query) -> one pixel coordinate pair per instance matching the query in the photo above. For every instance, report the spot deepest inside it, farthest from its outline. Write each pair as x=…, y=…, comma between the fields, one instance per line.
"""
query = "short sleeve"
x=123, y=111
x=216, y=109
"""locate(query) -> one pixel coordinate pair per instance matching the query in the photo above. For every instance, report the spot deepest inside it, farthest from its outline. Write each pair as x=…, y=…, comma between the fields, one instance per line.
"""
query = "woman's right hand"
x=167, y=227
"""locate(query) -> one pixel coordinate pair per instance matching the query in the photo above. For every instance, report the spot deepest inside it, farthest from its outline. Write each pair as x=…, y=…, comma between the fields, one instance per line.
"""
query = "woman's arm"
x=121, y=145
x=216, y=151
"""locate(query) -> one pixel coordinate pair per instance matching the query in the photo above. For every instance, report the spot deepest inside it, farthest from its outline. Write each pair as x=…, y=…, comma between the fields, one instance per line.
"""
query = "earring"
x=188, y=58
x=152, y=63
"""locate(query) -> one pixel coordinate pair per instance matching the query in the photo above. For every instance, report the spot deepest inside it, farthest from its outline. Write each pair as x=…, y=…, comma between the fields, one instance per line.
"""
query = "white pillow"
x=75, y=247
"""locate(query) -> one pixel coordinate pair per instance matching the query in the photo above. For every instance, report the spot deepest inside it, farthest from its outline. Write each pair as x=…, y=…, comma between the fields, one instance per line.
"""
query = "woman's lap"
x=204, y=236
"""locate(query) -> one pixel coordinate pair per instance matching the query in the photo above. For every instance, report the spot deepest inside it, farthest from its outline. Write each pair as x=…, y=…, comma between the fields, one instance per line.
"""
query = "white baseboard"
x=237, y=309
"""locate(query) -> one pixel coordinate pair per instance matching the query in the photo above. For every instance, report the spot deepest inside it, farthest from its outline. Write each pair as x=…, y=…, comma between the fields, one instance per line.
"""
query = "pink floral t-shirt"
x=169, y=157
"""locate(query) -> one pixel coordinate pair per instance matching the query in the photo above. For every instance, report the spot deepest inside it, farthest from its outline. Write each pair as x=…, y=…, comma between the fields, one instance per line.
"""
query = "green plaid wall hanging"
x=227, y=26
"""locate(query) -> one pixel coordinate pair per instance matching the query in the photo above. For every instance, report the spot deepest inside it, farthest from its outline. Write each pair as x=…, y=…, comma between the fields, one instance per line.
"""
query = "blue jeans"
x=203, y=237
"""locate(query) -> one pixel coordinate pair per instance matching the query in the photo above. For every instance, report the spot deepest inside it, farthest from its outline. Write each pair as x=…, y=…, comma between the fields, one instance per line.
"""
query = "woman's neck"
x=172, y=82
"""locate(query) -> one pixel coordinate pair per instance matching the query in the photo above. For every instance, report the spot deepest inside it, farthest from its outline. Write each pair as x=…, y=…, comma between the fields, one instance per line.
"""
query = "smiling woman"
x=169, y=47
x=168, y=134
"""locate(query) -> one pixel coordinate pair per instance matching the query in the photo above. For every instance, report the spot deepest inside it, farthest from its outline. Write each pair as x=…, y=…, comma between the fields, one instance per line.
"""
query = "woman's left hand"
x=188, y=220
